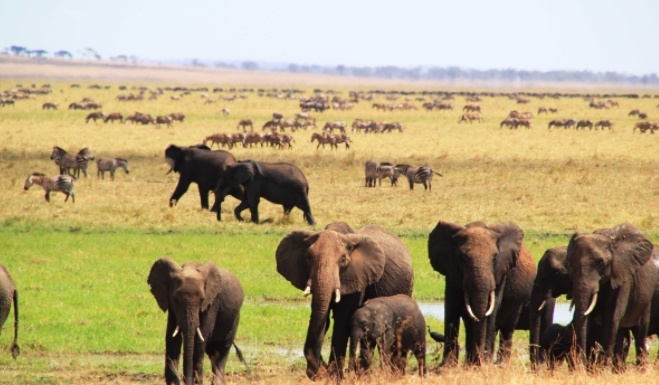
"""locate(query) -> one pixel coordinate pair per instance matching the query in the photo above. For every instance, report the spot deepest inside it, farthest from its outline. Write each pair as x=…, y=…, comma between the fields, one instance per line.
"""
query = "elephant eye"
x=344, y=261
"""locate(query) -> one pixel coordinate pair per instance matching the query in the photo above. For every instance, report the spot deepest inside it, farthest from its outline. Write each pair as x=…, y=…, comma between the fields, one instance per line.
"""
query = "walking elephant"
x=396, y=326
x=489, y=276
x=341, y=268
x=9, y=295
x=203, y=304
x=551, y=281
x=613, y=276
x=200, y=165
x=279, y=183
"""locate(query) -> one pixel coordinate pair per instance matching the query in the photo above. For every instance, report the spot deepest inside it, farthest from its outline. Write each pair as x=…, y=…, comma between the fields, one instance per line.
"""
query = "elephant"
x=551, y=281
x=279, y=183
x=489, y=277
x=203, y=304
x=613, y=275
x=198, y=164
x=395, y=324
x=341, y=268
x=9, y=295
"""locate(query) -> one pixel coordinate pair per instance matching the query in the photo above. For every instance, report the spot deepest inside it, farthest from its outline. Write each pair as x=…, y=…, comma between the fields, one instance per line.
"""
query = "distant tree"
x=197, y=63
x=63, y=54
x=293, y=68
x=18, y=50
x=38, y=52
x=249, y=66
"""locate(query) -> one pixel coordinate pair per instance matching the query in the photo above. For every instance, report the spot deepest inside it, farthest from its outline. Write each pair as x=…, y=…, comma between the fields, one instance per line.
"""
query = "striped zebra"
x=110, y=164
x=61, y=183
x=82, y=160
x=64, y=160
x=379, y=170
x=414, y=175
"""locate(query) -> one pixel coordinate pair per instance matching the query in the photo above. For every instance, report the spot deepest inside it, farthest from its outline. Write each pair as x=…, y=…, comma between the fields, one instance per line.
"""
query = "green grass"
x=81, y=268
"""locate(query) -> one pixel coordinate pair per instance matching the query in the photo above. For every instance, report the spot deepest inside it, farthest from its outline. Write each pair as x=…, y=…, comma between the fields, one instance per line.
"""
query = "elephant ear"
x=292, y=257
x=159, y=277
x=243, y=173
x=175, y=153
x=509, y=243
x=367, y=260
x=441, y=248
x=631, y=250
x=340, y=227
x=212, y=283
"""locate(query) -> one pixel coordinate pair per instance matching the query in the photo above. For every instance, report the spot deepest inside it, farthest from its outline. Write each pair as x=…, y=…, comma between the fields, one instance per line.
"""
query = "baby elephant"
x=557, y=341
x=395, y=324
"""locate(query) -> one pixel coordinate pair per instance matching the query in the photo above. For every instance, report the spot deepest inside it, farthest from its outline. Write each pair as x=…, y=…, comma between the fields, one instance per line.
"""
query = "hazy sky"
x=596, y=35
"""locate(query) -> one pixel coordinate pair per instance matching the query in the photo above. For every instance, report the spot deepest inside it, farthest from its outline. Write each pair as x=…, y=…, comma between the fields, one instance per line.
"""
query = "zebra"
x=414, y=175
x=61, y=183
x=110, y=164
x=378, y=170
x=81, y=161
x=63, y=159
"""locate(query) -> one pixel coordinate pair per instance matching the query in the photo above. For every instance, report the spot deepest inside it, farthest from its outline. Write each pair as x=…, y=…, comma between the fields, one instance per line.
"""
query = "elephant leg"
x=203, y=195
x=342, y=312
x=239, y=209
x=181, y=188
x=452, y=309
x=254, y=208
x=618, y=351
x=218, y=353
x=287, y=209
x=172, y=351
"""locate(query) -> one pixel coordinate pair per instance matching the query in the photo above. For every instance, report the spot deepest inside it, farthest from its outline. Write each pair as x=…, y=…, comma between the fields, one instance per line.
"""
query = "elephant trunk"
x=322, y=292
x=189, y=329
x=539, y=299
x=477, y=307
x=584, y=302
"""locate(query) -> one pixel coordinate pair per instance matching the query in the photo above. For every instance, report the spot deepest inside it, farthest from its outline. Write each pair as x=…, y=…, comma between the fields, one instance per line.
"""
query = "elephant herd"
x=364, y=279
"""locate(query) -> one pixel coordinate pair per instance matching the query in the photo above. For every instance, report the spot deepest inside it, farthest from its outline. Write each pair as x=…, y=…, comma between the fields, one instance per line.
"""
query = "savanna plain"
x=86, y=313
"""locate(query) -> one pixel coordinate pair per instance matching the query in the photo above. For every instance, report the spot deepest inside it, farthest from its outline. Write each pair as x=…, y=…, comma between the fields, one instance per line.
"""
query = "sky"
x=593, y=35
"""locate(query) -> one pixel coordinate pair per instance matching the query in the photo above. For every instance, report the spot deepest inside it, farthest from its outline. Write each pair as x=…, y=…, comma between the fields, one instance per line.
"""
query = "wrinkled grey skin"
x=551, y=281
x=200, y=165
x=199, y=298
x=9, y=295
x=396, y=326
x=359, y=265
x=612, y=280
x=477, y=261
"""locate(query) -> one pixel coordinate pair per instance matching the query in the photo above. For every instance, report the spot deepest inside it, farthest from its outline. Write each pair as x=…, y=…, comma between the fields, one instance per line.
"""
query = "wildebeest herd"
x=365, y=277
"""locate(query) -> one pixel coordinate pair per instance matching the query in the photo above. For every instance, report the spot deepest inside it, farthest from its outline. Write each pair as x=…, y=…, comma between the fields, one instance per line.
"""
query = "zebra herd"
x=415, y=175
x=70, y=168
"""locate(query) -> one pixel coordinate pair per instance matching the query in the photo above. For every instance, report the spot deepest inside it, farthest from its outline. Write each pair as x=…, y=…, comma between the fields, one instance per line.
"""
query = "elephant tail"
x=239, y=353
x=15, y=349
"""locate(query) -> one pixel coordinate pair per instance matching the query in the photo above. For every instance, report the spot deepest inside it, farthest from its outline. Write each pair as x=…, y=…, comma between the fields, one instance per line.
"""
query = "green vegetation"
x=81, y=268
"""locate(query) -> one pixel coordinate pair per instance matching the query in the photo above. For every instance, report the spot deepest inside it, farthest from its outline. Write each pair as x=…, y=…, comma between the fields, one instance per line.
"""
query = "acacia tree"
x=17, y=49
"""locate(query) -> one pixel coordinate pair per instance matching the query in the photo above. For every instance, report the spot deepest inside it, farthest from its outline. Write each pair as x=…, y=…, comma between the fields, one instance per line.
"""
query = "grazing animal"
x=541, y=110
x=556, y=123
x=110, y=164
x=63, y=159
x=49, y=105
x=422, y=175
x=226, y=111
x=379, y=170
x=472, y=108
x=603, y=124
x=61, y=183
x=335, y=125
x=114, y=116
x=177, y=116
x=584, y=123
x=95, y=115
x=163, y=119
x=271, y=125
x=468, y=117
x=81, y=161
x=324, y=139
x=219, y=139
x=244, y=123
x=252, y=138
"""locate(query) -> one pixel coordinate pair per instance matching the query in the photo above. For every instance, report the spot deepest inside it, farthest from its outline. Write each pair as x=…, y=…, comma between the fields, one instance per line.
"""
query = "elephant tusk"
x=337, y=295
x=592, y=305
x=307, y=291
x=571, y=307
x=493, y=300
x=468, y=306
x=175, y=332
x=542, y=305
x=200, y=336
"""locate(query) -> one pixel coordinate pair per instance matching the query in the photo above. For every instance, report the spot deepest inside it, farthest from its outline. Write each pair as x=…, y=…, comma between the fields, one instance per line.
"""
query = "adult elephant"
x=9, y=295
x=279, y=183
x=551, y=281
x=203, y=302
x=341, y=268
x=489, y=276
x=198, y=164
x=612, y=279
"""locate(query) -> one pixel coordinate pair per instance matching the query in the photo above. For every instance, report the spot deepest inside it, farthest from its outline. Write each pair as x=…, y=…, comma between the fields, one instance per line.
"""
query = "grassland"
x=87, y=315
